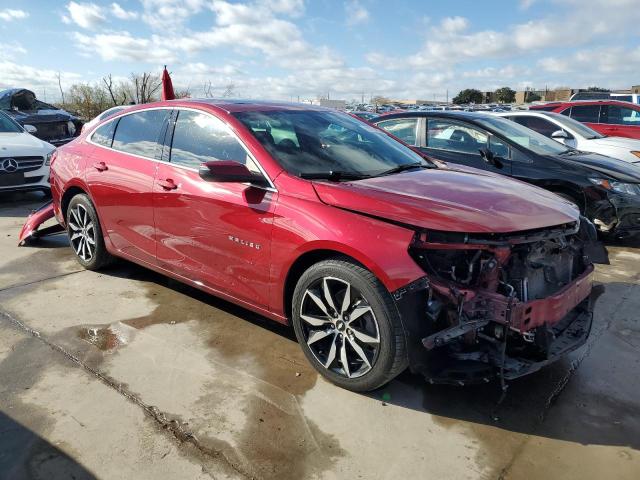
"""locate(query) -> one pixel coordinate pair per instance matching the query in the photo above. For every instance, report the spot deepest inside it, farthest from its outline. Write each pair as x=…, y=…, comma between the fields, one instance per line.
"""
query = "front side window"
x=138, y=133
x=199, y=137
x=319, y=142
x=455, y=137
x=622, y=116
x=104, y=134
x=516, y=134
x=403, y=128
x=586, y=113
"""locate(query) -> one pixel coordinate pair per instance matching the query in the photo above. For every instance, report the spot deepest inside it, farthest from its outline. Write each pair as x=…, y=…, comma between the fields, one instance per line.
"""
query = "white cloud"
x=355, y=13
x=11, y=50
x=85, y=15
x=33, y=78
x=119, y=12
x=122, y=46
x=10, y=14
x=170, y=14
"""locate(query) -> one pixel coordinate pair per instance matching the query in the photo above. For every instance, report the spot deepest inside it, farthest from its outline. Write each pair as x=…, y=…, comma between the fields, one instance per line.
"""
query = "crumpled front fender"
x=30, y=229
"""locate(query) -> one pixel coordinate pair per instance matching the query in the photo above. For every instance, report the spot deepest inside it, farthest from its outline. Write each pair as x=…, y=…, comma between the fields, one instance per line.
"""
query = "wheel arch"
x=68, y=194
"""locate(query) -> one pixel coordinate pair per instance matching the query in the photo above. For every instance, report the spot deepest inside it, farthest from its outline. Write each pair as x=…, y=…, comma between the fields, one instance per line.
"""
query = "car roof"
x=435, y=113
x=585, y=102
x=237, y=105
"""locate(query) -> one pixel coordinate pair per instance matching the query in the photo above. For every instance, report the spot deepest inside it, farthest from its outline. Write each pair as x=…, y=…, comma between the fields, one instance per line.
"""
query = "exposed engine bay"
x=503, y=304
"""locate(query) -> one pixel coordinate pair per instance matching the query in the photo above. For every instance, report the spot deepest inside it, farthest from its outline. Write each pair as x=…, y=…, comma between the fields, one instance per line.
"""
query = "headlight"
x=47, y=159
x=628, y=188
x=71, y=127
x=637, y=154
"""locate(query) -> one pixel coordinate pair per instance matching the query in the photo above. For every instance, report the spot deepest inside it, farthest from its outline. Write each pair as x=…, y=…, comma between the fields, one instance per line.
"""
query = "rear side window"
x=586, y=113
x=199, y=138
x=138, y=132
x=403, y=128
x=104, y=134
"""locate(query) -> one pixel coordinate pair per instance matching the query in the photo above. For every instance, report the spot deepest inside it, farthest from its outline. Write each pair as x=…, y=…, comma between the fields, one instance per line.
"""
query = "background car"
x=107, y=113
x=53, y=125
x=364, y=115
x=607, y=190
x=609, y=117
x=311, y=217
x=24, y=159
x=577, y=135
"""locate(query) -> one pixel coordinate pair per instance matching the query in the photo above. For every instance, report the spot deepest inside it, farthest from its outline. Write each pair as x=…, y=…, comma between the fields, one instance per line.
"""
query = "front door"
x=215, y=234
x=120, y=176
x=460, y=142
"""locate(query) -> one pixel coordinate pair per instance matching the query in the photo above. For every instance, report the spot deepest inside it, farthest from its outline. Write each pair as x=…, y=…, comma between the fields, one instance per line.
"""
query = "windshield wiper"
x=333, y=176
x=405, y=167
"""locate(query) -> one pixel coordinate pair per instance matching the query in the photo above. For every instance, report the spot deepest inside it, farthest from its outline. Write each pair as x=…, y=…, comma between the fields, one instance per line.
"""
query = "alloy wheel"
x=82, y=232
x=340, y=327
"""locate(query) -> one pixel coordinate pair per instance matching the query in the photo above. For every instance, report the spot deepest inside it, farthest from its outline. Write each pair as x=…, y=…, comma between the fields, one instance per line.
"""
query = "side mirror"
x=489, y=157
x=560, y=135
x=228, y=171
x=30, y=129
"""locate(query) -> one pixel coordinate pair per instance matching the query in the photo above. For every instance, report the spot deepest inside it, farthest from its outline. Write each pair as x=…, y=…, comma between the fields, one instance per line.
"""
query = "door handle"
x=100, y=166
x=167, y=184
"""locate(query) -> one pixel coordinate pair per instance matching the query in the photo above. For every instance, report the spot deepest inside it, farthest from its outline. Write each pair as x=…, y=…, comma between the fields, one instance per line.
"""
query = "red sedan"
x=379, y=257
x=608, y=117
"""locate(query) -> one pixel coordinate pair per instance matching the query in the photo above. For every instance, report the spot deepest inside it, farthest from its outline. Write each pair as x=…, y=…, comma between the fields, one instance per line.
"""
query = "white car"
x=107, y=113
x=24, y=159
x=577, y=135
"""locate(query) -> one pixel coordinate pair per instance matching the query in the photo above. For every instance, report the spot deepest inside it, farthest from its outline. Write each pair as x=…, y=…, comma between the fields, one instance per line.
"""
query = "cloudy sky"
x=345, y=48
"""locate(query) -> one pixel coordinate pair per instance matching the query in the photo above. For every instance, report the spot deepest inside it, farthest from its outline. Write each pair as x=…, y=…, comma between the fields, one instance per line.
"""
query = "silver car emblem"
x=8, y=165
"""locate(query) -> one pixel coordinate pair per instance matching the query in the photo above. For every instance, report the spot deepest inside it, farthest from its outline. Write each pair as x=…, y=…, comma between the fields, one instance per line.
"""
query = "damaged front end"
x=499, y=304
x=32, y=226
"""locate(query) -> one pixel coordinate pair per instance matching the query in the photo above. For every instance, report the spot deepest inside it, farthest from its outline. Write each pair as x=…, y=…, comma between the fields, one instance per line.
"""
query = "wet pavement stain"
x=276, y=440
x=106, y=339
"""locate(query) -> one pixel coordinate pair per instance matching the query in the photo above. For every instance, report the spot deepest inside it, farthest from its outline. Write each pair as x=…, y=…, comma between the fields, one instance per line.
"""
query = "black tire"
x=390, y=357
x=99, y=256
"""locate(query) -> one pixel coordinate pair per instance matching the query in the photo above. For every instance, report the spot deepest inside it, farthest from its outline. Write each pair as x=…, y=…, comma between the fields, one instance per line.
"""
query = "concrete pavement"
x=127, y=374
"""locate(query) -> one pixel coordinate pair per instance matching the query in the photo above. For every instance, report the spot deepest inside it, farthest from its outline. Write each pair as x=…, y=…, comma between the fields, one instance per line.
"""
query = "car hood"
x=603, y=165
x=448, y=199
x=622, y=142
x=35, y=117
x=13, y=144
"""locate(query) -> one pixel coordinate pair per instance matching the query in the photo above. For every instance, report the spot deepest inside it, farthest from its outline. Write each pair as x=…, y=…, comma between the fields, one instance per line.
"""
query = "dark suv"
x=607, y=190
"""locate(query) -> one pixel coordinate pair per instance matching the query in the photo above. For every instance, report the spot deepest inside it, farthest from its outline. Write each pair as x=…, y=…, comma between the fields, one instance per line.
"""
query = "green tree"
x=532, y=97
x=505, y=95
x=468, y=95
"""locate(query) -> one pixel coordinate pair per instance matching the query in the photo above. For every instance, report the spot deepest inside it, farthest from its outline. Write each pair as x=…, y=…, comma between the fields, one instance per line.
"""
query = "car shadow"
x=20, y=204
x=26, y=455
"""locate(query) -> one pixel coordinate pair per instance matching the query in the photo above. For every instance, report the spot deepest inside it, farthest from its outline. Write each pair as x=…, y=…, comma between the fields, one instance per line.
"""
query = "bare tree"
x=207, y=89
x=146, y=86
x=229, y=90
x=60, y=87
x=118, y=93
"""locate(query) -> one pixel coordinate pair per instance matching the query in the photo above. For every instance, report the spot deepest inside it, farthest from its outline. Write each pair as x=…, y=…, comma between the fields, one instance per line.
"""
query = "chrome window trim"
x=89, y=139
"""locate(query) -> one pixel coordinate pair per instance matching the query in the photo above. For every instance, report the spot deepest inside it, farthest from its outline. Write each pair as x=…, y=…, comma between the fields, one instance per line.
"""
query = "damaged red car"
x=379, y=257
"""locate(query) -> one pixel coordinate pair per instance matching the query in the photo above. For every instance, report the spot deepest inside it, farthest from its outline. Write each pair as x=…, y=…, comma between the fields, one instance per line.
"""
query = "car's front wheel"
x=85, y=234
x=348, y=326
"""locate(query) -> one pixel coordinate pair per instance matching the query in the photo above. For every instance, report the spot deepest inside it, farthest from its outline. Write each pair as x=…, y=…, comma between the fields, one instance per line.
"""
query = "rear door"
x=215, y=234
x=460, y=142
x=620, y=121
x=120, y=177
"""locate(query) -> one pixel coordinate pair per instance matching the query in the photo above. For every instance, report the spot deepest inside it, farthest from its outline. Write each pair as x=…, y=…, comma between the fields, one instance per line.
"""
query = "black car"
x=607, y=190
x=52, y=124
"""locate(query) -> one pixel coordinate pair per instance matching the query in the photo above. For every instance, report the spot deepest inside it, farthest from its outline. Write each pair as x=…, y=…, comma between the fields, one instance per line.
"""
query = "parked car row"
x=607, y=190
x=379, y=255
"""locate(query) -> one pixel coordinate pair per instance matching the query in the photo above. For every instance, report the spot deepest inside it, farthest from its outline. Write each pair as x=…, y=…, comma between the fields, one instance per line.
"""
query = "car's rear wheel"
x=348, y=326
x=85, y=234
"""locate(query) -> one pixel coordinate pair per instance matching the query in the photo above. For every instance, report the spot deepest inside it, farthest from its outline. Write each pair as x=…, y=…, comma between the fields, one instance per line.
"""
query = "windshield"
x=523, y=136
x=7, y=125
x=308, y=142
x=576, y=126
